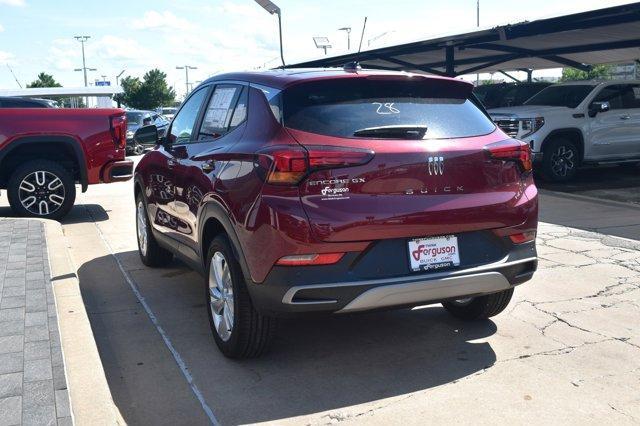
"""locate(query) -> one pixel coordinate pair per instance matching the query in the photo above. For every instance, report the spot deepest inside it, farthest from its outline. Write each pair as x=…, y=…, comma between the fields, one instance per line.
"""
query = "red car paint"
x=396, y=200
x=88, y=129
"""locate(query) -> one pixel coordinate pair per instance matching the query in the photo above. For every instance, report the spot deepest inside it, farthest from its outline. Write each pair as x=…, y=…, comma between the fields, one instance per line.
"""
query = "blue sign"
x=103, y=83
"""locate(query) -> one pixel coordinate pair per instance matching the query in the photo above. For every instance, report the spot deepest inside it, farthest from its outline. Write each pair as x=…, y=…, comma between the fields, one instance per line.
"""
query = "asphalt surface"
x=565, y=351
x=612, y=182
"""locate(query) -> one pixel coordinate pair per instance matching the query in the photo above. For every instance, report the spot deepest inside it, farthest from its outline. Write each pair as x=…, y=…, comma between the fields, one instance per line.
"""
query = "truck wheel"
x=238, y=329
x=560, y=160
x=150, y=252
x=41, y=188
x=481, y=307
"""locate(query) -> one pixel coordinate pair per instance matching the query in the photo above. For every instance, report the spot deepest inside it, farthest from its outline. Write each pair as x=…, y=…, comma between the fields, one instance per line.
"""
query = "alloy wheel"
x=221, y=296
x=41, y=193
x=142, y=228
x=563, y=161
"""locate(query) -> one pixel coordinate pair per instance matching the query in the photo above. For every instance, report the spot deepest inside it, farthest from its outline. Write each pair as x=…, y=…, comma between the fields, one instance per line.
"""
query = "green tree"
x=47, y=80
x=44, y=80
x=149, y=93
x=597, y=72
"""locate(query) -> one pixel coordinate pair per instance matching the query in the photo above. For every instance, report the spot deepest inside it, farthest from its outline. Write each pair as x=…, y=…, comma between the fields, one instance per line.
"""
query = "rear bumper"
x=285, y=292
x=117, y=171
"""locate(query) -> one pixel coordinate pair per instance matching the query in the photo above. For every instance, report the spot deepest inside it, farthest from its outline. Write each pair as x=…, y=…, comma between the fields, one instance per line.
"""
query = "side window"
x=631, y=96
x=220, y=110
x=613, y=95
x=240, y=113
x=185, y=120
x=274, y=98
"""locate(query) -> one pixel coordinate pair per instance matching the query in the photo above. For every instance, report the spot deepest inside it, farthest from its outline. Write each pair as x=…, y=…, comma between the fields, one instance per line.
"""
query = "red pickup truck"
x=45, y=152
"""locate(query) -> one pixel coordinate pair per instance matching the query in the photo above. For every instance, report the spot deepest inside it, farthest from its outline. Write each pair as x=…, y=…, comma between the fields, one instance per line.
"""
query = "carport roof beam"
x=579, y=40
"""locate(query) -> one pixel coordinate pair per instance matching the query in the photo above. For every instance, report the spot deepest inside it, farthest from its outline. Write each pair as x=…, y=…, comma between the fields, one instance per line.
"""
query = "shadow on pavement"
x=315, y=365
x=76, y=215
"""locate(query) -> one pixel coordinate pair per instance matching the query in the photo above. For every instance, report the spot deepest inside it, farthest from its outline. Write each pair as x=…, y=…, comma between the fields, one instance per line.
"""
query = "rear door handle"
x=625, y=117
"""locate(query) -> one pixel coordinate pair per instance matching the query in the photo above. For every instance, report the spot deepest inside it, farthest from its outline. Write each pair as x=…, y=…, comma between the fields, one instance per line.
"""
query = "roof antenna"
x=355, y=65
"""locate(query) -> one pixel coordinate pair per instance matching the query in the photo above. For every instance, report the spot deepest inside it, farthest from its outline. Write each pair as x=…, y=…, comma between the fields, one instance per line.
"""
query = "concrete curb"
x=90, y=397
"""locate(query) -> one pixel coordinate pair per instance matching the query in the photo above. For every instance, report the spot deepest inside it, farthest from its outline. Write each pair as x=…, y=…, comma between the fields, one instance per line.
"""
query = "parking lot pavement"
x=566, y=350
x=612, y=182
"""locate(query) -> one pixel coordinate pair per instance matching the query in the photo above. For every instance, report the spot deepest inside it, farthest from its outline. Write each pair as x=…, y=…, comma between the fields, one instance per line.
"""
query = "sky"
x=225, y=35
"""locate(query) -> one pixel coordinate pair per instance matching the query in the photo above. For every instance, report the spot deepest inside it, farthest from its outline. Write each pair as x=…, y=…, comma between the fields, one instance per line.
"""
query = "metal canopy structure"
x=602, y=36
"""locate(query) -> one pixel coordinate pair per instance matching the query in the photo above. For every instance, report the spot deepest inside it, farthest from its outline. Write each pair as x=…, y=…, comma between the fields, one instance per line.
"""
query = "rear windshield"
x=134, y=117
x=343, y=108
x=568, y=96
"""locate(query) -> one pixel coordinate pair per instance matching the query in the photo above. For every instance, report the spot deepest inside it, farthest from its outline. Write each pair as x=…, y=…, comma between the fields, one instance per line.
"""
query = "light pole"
x=118, y=77
x=322, y=43
x=272, y=8
x=348, y=31
x=478, y=25
x=82, y=40
x=379, y=36
x=186, y=69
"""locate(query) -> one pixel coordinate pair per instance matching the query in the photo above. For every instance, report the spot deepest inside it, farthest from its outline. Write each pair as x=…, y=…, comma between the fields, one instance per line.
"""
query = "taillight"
x=310, y=259
x=511, y=150
x=288, y=165
x=119, y=131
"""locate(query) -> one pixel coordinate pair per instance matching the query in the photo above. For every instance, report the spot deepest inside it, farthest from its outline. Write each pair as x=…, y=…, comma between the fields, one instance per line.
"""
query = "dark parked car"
x=15, y=102
x=139, y=118
x=507, y=94
x=336, y=191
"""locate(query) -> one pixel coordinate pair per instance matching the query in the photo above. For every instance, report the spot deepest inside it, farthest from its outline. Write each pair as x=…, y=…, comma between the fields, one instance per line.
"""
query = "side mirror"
x=598, y=107
x=147, y=135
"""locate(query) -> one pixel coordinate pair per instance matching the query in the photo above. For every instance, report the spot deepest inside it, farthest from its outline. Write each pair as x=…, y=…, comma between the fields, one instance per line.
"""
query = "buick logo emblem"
x=435, y=166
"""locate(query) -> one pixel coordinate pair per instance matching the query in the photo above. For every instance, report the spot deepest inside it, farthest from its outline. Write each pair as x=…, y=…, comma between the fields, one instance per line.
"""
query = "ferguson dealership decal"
x=335, y=189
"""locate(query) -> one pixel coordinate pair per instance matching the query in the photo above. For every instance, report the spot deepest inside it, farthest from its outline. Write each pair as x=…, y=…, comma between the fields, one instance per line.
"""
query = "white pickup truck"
x=575, y=123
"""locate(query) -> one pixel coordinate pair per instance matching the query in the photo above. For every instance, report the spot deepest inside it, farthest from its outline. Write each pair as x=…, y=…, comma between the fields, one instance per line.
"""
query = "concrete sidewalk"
x=33, y=386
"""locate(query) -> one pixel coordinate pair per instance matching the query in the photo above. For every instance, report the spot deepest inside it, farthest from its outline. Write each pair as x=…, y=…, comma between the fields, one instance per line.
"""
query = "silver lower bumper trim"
x=428, y=290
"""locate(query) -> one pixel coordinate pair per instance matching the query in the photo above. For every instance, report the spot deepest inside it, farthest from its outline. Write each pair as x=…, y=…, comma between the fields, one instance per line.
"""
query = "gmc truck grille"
x=509, y=126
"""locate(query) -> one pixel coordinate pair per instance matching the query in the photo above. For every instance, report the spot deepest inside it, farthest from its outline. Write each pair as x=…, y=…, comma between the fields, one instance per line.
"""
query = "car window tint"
x=347, y=107
x=631, y=96
x=240, y=112
x=612, y=94
x=185, y=120
x=219, y=111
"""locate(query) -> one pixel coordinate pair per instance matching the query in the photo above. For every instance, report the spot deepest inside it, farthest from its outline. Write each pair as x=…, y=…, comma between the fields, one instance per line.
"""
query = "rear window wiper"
x=393, y=132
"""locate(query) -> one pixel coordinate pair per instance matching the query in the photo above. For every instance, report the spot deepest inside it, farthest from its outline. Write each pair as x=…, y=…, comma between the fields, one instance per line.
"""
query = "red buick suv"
x=336, y=191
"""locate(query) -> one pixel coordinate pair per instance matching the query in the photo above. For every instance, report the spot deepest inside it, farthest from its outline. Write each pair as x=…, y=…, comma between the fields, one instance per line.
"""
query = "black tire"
x=251, y=332
x=57, y=201
x=152, y=255
x=560, y=160
x=481, y=307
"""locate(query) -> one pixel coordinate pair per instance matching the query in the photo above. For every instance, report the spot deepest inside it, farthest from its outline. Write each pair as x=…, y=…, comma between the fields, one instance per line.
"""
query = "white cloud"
x=13, y=2
x=160, y=20
x=6, y=57
x=1, y=28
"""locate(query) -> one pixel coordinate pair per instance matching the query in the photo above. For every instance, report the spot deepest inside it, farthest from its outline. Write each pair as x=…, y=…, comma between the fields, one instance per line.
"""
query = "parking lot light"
x=272, y=8
x=348, y=31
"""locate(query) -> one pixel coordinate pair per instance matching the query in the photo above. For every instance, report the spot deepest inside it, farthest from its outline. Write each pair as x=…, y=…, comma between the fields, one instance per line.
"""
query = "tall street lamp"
x=272, y=8
x=186, y=69
x=348, y=31
x=82, y=40
x=118, y=77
